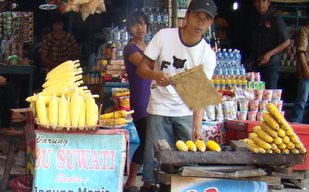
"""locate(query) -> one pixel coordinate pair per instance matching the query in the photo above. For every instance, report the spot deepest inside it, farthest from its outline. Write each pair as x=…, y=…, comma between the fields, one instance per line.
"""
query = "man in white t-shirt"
x=172, y=51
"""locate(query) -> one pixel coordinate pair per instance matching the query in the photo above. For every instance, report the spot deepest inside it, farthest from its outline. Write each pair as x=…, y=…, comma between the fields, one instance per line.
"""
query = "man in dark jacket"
x=270, y=38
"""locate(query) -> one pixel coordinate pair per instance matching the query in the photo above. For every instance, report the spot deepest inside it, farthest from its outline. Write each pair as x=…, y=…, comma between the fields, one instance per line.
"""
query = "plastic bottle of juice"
x=216, y=82
x=228, y=82
x=239, y=81
x=234, y=81
x=222, y=83
x=244, y=82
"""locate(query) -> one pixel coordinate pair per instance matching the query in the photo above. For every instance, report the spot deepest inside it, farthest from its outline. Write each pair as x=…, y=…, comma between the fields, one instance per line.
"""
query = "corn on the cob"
x=285, y=125
x=277, y=140
x=92, y=112
x=53, y=111
x=41, y=110
x=270, y=121
x=213, y=146
x=181, y=146
x=191, y=145
x=277, y=150
x=281, y=133
x=286, y=151
x=274, y=112
x=273, y=146
x=82, y=114
x=294, y=138
x=253, y=148
x=114, y=122
x=282, y=146
x=62, y=111
x=268, y=129
x=63, y=68
x=298, y=145
x=252, y=145
x=254, y=137
x=295, y=151
x=289, y=132
x=285, y=139
x=34, y=97
x=75, y=109
x=269, y=151
x=116, y=114
x=290, y=145
x=200, y=145
x=302, y=150
x=68, y=114
x=262, y=134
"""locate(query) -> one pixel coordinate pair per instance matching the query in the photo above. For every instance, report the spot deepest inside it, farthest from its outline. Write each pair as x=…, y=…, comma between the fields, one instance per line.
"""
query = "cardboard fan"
x=195, y=89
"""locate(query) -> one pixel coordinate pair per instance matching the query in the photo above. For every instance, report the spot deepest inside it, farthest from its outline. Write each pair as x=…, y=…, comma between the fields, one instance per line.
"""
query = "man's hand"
x=265, y=58
x=2, y=80
x=162, y=79
x=197, y=133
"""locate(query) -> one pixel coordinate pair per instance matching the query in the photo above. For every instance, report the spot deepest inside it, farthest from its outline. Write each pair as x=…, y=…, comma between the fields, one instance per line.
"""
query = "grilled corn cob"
x=62, y=111
x=254, y=137
x=116, y=114
x=213, y=146
x=41, y=110
x=191, y=145
x=270, y=121
x=53, y=111
x=274, y=112
x=262, y=134
x=268, y=129
x=200, y=145
x=181, y=146
x=114, y=122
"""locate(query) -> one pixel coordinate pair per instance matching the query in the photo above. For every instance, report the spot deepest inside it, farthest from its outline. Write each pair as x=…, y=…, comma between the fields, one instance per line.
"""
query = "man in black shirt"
x=270, y=38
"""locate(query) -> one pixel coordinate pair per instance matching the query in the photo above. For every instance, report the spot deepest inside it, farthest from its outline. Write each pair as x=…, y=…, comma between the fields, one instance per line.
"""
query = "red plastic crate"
x=236, y=129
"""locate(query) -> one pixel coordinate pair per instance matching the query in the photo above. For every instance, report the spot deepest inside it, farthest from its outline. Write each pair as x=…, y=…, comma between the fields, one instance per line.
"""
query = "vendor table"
x=19, y=70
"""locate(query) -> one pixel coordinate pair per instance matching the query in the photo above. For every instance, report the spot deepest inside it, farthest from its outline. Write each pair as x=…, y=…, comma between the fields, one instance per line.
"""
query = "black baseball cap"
x=207, y=6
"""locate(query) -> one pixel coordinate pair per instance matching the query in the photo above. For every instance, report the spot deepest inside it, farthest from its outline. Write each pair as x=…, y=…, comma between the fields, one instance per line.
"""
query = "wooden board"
x=229, y=158
x=195, y=89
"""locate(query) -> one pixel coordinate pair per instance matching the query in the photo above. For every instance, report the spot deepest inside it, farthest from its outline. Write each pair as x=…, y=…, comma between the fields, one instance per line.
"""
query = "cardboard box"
x=236, y=129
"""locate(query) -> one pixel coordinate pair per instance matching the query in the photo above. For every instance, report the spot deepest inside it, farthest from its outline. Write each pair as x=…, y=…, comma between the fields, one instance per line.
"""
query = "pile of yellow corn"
x=62, y=102
x=115, y=118
x=198, y=145
x=274, y=135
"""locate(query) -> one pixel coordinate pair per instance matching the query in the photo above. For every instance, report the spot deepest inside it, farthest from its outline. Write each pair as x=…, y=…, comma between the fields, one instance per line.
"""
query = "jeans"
x=301, y=99
x=270, y=75
x=160, y=127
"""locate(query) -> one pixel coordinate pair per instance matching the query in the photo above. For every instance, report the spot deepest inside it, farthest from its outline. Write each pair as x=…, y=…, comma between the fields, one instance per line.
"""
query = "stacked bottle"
x=229, y=72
